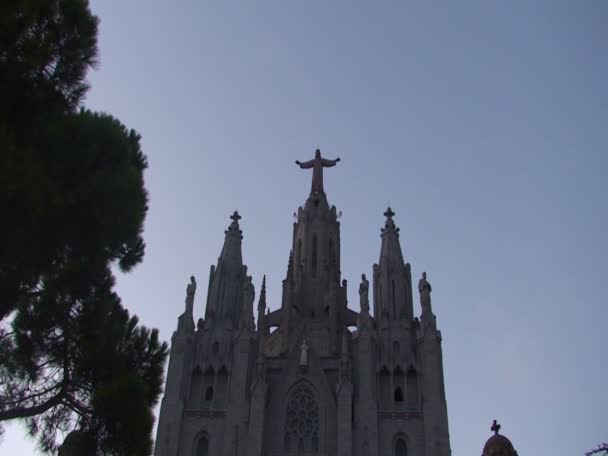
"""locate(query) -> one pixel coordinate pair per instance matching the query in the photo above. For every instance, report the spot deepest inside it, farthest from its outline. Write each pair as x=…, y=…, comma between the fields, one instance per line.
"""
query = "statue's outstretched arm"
x=330, y=163
x=305, y=165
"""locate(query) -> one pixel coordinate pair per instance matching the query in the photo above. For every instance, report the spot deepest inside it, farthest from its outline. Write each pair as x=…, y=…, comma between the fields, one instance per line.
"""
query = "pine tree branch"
x=26, y=412
x=602, y=448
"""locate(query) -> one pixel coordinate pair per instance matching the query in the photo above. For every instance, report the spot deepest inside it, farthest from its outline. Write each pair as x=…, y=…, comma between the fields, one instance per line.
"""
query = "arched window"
x=209, y=393
x=195, y=388
x=202, y=447
x=398, y=394
x=400, y=448
x=302, y=422
x=399, y=385
x=221, y=382
x=314, y=255
x=385, y=388
x=215, y=348
x=396, y=350
x=412, y=390
x=209, y=382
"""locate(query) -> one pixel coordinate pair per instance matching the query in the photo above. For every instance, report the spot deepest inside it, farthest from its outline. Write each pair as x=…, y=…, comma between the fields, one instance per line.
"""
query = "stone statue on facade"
x=317, y=164
x=190, y=290
x=424, y=287
x=364, y=294
x=304, y=355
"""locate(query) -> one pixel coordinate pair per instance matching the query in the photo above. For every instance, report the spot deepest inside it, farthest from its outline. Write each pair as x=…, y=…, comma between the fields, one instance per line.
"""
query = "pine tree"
x=73, y=205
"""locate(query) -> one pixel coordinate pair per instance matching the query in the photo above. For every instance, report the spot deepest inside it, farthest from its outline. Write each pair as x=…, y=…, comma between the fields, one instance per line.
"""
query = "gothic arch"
x=302, y=420
x=200, y=445
x=400, y=444
x=400, y=448
x=221, y=386
x=196, y=380
x=413, y=389
x=208, y=382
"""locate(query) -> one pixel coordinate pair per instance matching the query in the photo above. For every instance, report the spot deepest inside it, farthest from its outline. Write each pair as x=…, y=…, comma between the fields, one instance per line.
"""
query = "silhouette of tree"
x=73, y=205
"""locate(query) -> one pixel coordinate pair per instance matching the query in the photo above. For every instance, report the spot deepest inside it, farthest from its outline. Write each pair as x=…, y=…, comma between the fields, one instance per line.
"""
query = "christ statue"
x=317, y=164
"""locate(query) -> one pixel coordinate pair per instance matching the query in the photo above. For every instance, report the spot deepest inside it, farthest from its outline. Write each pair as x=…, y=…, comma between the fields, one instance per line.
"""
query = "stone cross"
x=235, y=217
x=317, y=164
x=495, y=427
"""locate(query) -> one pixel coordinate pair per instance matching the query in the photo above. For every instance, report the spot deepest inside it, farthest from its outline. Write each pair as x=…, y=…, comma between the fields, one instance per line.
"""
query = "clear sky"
x=483, y=123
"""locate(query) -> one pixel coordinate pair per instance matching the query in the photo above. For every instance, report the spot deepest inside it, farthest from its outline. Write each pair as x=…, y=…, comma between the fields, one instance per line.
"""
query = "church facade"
x=313, y=377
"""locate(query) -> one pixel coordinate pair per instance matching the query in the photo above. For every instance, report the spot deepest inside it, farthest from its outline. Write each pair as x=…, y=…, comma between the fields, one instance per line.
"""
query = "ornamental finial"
x=495, y=427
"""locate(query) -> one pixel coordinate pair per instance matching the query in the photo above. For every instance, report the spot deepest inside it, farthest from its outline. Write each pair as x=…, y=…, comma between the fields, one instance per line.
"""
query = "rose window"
x=302, y=427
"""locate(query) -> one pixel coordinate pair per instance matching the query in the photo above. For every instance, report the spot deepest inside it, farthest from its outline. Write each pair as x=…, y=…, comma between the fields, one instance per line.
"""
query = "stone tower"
x=300, y=382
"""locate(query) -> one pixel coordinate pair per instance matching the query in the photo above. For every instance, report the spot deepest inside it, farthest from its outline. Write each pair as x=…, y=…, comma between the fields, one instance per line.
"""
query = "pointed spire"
x=231, y=251
x=391, y=246
x=260, y=364
x=262, y=301
x=290, y=265
x=392, y=278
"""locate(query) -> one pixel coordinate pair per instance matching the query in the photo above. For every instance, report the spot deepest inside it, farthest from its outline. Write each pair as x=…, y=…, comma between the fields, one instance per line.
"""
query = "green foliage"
x=73, y=204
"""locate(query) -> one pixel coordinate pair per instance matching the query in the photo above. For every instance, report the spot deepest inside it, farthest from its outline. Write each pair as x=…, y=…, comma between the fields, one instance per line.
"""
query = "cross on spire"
x=495, y=427
x=389, y=213
x=235, y=217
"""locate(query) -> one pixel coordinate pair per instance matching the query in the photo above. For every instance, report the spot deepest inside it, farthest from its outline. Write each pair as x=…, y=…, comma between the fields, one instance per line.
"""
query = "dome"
x=498, y=445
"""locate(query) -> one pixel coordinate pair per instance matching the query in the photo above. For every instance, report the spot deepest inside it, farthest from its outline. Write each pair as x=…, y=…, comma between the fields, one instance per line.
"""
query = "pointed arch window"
x=398, y=394
x=202, y=447
x=400, y=448
x=396, y=349
x=412, y=390
x=196, y=381
x=209, y=393
x=209, y=383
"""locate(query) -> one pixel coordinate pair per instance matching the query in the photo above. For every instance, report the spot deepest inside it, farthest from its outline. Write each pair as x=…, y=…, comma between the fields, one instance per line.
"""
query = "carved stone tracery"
x=302, y=422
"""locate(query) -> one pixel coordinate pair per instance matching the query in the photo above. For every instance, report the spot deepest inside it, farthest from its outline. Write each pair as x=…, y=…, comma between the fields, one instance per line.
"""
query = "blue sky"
x=483, y=124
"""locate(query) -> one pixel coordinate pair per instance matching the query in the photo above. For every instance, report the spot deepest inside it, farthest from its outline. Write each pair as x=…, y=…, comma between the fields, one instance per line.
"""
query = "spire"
x=260, y=365
x=231, y=251
x=391, y=248
x=290, y=266
x=392, y=278
x=230, y=290
x=262, y=301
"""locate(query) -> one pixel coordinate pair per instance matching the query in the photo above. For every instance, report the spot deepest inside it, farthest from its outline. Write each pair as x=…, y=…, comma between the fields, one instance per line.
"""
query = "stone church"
x=313, y=377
